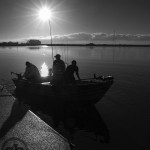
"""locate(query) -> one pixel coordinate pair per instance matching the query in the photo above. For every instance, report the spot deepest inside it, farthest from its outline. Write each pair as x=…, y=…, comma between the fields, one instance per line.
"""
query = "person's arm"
x=53, y=68
x=27, y=72
x=64, y=66
x=77, y=74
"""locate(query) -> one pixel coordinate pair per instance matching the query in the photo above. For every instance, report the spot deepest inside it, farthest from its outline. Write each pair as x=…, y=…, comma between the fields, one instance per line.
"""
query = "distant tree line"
x=34, y=42
x=31, y=42
x=8, y=43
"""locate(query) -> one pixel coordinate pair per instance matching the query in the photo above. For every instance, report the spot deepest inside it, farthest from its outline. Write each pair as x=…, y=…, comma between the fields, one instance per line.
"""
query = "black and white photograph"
x=74, y=74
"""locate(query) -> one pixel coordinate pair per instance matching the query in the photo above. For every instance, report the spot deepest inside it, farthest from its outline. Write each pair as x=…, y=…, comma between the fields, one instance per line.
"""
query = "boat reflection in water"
x=73, y=105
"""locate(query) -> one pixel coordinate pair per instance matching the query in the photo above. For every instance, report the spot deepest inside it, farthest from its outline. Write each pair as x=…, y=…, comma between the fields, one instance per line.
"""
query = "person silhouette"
x=31, y=73
x=70, y=71
x=58, y=70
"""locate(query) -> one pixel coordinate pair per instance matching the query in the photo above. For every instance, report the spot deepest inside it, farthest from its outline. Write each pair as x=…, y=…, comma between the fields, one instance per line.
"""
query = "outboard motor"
x=106, y=78
x=109, y=78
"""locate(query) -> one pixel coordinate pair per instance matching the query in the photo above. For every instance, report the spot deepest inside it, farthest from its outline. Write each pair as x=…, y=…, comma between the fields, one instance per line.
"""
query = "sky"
x=98, y=21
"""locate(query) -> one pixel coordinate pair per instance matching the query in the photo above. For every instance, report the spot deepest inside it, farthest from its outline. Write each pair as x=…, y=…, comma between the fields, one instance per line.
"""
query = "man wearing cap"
x=58, y=69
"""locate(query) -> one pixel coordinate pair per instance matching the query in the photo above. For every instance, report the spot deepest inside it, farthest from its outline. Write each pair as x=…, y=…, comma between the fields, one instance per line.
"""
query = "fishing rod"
x=50, y=28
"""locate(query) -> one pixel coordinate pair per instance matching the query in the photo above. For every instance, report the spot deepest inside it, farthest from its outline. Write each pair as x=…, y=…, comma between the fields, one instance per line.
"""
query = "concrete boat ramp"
x=21, y=129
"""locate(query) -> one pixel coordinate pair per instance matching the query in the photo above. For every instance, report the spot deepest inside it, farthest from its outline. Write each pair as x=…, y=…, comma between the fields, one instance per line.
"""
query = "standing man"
x=69, y=74
x=58, y=69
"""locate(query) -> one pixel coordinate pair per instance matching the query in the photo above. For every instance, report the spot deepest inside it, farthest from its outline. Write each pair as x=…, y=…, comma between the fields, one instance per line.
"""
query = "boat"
x=87, y=91
x=72, y=104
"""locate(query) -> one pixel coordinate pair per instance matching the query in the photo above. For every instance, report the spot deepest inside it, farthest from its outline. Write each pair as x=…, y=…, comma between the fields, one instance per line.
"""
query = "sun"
x=45, y=13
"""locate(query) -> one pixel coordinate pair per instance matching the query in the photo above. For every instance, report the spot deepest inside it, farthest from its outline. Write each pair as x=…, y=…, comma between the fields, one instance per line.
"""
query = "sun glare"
x=45, y=14
x=44, y=70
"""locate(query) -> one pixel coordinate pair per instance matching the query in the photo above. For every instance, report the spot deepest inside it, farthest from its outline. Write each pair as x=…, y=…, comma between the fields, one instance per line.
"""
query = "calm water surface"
x=118, y=62
x=129, y=65
x=125, y=107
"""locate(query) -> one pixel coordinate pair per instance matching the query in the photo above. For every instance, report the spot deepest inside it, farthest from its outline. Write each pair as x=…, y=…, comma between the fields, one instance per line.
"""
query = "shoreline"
x=86, y=45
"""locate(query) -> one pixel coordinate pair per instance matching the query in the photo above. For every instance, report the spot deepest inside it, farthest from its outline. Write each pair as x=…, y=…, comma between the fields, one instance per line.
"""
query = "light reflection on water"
x=44, y=70
x=100, y=60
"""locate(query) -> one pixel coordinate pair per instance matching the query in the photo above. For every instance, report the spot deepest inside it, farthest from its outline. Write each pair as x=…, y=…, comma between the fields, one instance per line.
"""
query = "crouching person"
x=32, y=73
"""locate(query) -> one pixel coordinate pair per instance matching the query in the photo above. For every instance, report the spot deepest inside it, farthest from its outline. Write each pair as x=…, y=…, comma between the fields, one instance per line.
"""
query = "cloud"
x=83, y=37
x=124, y=37
x=102, y=37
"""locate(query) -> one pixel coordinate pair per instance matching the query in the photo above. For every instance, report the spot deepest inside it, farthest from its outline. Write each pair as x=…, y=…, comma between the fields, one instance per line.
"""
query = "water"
x=124, y=108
